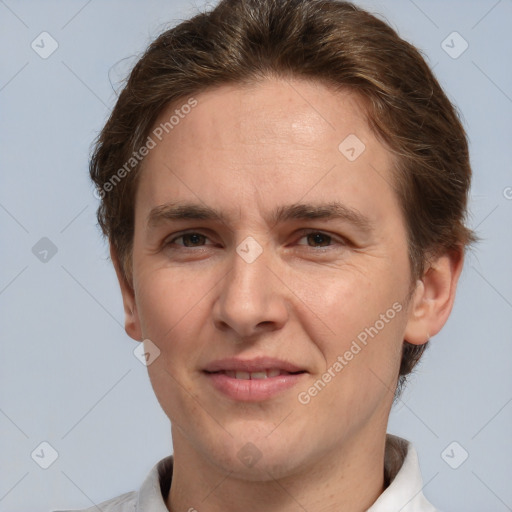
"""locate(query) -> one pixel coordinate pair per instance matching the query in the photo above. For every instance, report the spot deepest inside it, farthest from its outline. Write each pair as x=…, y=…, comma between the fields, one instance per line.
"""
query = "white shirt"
x=401, y=467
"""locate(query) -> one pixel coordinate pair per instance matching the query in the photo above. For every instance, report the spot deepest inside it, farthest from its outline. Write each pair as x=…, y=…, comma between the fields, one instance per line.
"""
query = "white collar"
x=404, y=493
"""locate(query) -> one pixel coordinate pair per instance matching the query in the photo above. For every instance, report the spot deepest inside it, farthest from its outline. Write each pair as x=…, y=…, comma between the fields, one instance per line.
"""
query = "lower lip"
x=253, y=390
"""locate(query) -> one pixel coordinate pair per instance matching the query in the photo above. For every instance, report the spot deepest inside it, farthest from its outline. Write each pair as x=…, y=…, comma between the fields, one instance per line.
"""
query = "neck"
x=348, y=478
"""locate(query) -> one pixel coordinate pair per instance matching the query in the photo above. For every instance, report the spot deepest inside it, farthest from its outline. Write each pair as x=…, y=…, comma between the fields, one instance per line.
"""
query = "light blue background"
x=68, y=374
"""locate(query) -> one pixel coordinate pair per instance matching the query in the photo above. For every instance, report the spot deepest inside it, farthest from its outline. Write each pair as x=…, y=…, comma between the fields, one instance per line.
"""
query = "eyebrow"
x=333, y=210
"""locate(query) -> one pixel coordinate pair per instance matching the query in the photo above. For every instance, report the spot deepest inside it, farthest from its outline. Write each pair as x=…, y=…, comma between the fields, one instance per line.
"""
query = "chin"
x=257, y=458
x=264, y=469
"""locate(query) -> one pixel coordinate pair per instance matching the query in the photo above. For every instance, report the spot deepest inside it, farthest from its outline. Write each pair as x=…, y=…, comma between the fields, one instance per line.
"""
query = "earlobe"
x=132, y=322
x=433, y=297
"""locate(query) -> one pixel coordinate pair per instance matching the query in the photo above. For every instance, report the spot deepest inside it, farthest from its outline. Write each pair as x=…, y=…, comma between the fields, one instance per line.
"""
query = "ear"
x=433, y=297
x=132, y=321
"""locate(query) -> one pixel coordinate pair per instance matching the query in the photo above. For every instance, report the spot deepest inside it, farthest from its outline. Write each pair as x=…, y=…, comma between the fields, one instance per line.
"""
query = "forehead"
x=297, y=112
x=240, y=144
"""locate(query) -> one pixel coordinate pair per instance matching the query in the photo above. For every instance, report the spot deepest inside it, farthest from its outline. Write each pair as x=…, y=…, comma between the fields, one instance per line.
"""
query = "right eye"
x=190, y=239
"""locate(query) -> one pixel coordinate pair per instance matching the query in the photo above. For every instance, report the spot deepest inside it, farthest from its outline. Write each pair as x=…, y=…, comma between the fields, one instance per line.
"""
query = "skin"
x=245, y=151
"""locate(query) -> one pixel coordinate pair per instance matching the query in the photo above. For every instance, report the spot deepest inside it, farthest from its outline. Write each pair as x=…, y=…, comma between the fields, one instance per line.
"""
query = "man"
x=283, y=185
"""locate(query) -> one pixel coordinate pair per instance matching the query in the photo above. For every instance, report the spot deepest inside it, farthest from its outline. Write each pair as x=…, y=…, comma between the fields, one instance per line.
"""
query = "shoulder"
x=123, y=503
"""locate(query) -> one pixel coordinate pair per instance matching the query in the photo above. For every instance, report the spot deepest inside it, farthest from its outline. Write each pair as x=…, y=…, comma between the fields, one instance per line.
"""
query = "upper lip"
x=252, y=365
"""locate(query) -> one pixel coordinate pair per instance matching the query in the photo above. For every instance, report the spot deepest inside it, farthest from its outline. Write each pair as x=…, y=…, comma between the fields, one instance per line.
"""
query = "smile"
x=253, y=380
x=263, y=374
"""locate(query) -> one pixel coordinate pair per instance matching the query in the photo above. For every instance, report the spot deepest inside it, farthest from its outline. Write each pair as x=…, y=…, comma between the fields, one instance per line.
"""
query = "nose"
x=252, y=299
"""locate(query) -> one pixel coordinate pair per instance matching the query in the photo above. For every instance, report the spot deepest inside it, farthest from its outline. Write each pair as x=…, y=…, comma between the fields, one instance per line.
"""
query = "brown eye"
x=318, y=239
x=193, y=239
x=189, y=240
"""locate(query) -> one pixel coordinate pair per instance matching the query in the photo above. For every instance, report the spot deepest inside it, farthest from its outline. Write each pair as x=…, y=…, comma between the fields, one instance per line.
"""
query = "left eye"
x=318, y=238
x=190, y=239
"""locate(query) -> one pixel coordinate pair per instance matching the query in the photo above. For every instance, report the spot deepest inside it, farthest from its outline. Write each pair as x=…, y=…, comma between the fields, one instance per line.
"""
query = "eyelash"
x=304, y=233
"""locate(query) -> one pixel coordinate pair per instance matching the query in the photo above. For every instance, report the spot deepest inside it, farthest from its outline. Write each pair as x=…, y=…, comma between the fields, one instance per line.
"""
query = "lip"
x=252, y=365
x=252, y=390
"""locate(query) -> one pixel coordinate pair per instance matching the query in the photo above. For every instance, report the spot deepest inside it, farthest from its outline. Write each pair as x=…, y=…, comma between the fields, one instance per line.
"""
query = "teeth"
x=259, y=375
x=263, y=374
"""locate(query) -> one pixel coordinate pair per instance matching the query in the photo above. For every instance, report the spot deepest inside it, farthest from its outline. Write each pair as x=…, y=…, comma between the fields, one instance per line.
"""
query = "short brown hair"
x=334, y=42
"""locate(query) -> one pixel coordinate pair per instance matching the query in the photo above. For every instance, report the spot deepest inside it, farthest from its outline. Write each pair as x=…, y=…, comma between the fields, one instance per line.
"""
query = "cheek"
x=366, y=318
x=350, y=299
x=361, y=357
x=173, y=310
x=168, y=302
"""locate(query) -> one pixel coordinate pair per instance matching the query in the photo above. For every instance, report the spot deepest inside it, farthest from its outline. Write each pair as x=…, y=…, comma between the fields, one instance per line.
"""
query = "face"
x=264, y=247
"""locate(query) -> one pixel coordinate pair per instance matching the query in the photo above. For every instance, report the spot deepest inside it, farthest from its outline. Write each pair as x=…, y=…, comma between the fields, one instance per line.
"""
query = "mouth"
x=253, y=380
x=261, y=374
x=267, y=365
